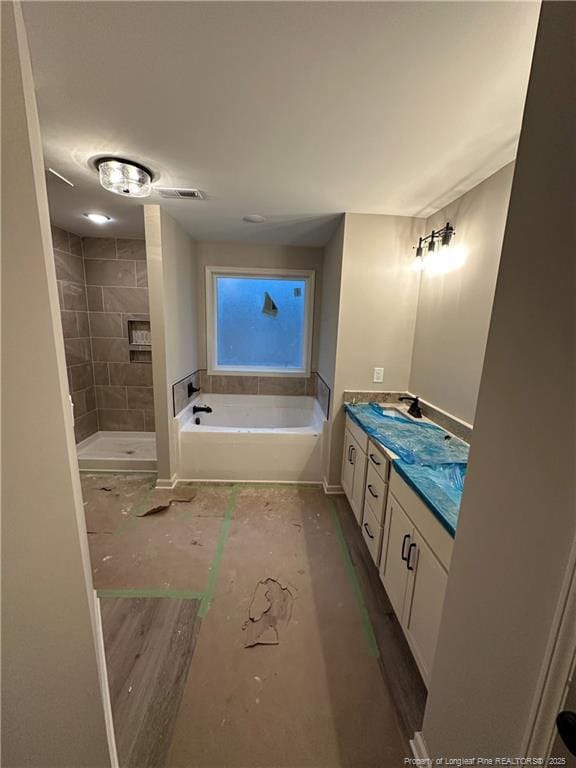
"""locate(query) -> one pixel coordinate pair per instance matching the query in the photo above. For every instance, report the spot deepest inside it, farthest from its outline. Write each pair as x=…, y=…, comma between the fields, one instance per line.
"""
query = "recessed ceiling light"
x=124, y=177
x=98, y=218
x=254, y=218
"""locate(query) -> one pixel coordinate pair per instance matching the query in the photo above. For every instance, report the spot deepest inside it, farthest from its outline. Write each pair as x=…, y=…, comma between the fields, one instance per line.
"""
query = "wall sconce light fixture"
x=443, y=235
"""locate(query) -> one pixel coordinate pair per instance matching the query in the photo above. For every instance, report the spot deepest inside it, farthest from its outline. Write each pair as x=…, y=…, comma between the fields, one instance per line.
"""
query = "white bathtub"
x=251, y=438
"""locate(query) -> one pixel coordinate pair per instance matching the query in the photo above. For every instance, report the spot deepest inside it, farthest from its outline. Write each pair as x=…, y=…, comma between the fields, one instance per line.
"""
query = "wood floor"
x=149, y=644
x=337, y=686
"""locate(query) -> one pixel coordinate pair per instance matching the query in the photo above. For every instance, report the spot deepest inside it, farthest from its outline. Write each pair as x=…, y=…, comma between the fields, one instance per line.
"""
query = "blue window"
x=259, y=321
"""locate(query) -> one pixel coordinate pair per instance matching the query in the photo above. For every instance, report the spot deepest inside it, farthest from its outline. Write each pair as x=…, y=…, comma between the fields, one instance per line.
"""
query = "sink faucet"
x=414, y=409
x=201, y=409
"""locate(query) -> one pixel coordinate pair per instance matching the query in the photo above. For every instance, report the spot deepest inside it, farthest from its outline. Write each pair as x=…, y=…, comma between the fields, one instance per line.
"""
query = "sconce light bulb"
x=432, y=245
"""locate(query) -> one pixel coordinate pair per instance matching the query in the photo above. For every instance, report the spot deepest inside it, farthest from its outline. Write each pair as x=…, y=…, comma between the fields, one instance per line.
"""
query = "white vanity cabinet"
x=354, y=462
x=414, y=569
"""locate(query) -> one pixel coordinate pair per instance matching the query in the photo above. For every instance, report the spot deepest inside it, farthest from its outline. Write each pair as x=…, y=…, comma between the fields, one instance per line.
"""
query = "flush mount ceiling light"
x=254, y=218
x=98, y=218
x=444, y=235
x=124, y=177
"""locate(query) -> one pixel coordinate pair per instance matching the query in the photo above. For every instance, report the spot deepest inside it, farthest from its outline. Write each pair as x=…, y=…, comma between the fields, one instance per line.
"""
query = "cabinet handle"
x=373, y=460
x=349, y=454
x=368, y=530
x=352, y=452
x=372, y=492
x=410, y=568
x=404, y=540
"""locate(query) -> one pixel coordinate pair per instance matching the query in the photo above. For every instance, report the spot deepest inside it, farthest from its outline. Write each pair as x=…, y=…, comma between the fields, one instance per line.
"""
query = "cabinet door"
x=360, y=463
x=423, y=604
x=393, y=571
x=347, y=478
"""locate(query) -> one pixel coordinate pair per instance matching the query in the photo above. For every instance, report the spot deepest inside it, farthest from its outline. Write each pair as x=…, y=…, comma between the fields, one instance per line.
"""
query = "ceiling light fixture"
x=254, y=218
x=124, y=177
x=443, y=235
x=98, y=218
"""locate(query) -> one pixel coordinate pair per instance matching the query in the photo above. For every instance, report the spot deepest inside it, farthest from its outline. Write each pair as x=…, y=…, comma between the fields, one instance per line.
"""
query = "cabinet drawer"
x=378, y=460
x=376, y=493
x=372, y=532
x=357, y=433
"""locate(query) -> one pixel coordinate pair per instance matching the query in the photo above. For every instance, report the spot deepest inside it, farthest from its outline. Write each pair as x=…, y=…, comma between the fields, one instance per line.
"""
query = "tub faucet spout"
x=201, y=409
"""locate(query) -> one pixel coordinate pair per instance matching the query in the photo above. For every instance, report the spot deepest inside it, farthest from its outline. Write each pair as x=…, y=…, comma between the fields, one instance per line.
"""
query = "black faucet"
x=201, y=409
x=192, y=389
x=414, y=409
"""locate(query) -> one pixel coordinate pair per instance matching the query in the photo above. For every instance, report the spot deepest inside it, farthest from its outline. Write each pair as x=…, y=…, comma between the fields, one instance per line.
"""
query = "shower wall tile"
x=124, y=299
x=109, y=397
x=131, y=374
x=101, y=375
x=117, y=280
x=70, y=278
x=110, y=272
x=99, y=248
x=85, y=425
x=94, y=294
x=69, y=267
x=131, y=248
x=74, y=296
x=70, y=323
x=121, y=421
x=140, y=398
x=110, y=350
x=107, y=325
x=234, y=385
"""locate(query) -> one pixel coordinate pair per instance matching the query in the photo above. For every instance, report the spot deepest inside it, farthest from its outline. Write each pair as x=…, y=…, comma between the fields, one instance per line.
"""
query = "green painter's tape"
x=173, y=593
x=215, y=565
x=354, y=583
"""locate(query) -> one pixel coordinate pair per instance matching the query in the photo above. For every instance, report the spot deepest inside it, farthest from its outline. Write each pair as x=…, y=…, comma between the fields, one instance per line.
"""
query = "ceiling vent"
x=181, y=194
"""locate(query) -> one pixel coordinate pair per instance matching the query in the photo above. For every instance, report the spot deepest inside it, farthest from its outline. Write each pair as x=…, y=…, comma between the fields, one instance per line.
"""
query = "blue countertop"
x=428, y=458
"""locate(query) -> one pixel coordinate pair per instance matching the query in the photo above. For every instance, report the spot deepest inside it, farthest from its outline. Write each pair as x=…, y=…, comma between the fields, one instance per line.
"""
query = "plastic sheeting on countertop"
x=433, y=466
x=414, y=442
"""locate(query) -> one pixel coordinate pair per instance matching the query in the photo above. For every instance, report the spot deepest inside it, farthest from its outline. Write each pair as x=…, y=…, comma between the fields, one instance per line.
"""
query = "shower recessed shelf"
x=139, y=336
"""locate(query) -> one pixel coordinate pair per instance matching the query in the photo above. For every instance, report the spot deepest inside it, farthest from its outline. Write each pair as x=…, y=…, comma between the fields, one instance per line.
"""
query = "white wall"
x=255, y=255
x=517, y=521
x=172, y=279
x=454, y=308
x=52, y=696
x=369, y=315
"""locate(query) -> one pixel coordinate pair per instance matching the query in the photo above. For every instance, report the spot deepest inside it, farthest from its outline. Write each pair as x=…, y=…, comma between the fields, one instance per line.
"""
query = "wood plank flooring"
x=149, y=644
x=405, y=683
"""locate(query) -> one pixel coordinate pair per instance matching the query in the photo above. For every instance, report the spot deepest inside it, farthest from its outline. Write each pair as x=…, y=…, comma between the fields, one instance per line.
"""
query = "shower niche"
x=139, y=341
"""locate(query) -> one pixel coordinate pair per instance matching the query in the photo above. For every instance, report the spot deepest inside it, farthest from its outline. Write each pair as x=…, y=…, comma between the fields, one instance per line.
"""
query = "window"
x=259, y=321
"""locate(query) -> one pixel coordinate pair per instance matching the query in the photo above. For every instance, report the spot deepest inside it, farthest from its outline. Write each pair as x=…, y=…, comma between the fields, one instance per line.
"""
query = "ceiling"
x=298, y=111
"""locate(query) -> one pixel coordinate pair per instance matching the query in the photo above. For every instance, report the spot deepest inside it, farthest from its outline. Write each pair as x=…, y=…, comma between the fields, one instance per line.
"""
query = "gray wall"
x=454, y=308
x=117, y=288
x=75, y=326
x=517, y=522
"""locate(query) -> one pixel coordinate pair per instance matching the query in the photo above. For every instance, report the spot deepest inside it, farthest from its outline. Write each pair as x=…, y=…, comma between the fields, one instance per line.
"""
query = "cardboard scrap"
x=160, y=500
x=270, y=609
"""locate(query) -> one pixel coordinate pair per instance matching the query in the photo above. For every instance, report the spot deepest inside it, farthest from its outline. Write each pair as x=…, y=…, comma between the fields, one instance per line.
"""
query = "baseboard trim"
x=418, y=747
x=104, y=685
x=332, y=490
x=168, y=484
x=229, y=481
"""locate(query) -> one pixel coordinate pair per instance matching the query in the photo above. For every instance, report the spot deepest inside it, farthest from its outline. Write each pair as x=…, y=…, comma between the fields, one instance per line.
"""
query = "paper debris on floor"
x=269, y=612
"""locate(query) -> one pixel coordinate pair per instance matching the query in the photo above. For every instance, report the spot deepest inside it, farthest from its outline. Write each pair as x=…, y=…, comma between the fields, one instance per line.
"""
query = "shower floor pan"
x=118, y=450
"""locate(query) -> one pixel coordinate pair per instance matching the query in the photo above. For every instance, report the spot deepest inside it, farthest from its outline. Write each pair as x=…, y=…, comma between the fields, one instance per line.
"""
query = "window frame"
x=212, y=273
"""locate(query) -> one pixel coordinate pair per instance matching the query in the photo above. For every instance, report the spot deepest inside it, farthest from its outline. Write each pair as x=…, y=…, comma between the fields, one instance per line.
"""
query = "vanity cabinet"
x=354, y=461
x=414, y=570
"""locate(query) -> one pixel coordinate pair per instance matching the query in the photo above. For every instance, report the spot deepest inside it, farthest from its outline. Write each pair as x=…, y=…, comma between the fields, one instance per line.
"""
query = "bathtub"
x=251, y=438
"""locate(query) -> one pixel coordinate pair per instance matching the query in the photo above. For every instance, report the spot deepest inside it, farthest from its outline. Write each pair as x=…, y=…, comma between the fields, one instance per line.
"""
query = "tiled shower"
x=103, y=292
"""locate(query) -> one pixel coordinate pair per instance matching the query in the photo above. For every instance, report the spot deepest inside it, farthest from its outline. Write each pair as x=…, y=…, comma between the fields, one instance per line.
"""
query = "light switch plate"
x=378, y=375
